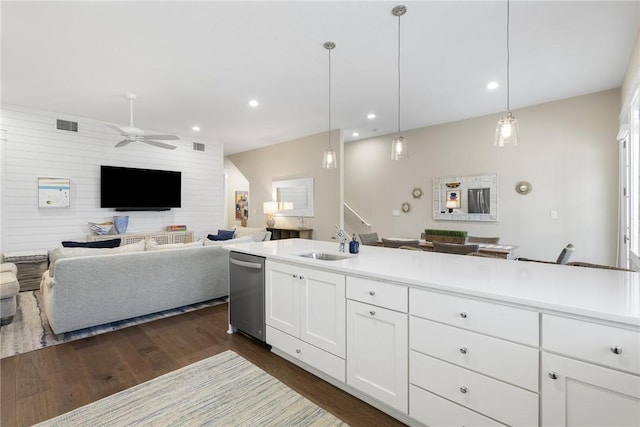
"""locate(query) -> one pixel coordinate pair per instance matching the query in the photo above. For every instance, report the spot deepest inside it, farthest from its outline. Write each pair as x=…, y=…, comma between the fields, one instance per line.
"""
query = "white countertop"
x=597, y=293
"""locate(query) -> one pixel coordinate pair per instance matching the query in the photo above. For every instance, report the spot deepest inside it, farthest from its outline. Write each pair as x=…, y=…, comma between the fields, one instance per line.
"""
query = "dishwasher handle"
x=246, y=264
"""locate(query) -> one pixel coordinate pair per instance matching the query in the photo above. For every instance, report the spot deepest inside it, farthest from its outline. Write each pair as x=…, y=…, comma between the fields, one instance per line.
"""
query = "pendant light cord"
x=508, y=108
x=329, y=97
x=399, y=132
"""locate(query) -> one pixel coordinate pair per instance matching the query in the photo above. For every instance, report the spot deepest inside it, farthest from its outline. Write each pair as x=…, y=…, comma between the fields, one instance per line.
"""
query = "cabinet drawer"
x=492, y=319
x=382, y=294
x=433, y=410
x=592, y=342
x=313, y=356
x=493, y=398
x=514, y=363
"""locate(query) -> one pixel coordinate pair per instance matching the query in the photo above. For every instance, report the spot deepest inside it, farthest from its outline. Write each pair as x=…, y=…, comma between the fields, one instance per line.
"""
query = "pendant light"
x=329, y=159
x=399, y=144
x=507, y=128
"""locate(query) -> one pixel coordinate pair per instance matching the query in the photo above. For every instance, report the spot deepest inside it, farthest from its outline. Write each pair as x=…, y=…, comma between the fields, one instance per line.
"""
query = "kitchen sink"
x=325, y=256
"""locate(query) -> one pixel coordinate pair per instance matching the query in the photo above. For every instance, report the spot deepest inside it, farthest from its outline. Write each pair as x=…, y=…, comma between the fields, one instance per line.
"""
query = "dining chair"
x=454, y=248
x=369, y=239
x=396, y=243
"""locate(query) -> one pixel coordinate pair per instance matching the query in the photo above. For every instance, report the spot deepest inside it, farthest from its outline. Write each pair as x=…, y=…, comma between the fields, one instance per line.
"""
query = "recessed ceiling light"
x=254, y=103
x=196, y=128
x=355, y=134
x=492, y=85
x=371, y=116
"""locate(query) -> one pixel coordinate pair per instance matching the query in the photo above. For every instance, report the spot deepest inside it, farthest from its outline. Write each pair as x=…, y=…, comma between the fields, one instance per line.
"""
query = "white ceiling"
x=200, y=62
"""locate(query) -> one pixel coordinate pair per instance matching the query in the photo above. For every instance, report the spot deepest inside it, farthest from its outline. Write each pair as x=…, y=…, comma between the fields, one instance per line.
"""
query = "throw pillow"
x=112, y=243
x=222, y=235
x=152, y=245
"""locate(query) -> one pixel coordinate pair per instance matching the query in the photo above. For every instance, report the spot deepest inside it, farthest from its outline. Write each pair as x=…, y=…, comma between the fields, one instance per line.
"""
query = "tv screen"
x=130, y=189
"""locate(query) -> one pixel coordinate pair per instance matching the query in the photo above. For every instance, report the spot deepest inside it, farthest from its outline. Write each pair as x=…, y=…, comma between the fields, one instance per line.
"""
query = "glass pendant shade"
x=329, y=160
x=399, y=149
x=506, y=131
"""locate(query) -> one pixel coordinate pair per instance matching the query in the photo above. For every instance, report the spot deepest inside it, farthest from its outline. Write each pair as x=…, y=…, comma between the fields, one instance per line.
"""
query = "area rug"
x=30, y=329
x=223, y=390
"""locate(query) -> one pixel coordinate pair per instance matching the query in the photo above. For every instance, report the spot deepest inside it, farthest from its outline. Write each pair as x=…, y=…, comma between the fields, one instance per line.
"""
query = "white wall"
x=35, y=148
x=568, y=152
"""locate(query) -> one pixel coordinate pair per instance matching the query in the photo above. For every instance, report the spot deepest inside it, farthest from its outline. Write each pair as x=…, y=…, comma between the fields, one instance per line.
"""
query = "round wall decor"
x=416, y=192
x=406, y=207
x=523, y=187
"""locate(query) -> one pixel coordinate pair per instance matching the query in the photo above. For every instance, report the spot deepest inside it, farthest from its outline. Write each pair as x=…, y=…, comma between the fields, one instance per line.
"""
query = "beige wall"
x=568, y=152
x=300, y=158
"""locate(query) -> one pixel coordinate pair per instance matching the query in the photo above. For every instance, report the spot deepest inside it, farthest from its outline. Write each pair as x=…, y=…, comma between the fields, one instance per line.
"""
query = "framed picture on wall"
x=54, y=192
x=242, y=206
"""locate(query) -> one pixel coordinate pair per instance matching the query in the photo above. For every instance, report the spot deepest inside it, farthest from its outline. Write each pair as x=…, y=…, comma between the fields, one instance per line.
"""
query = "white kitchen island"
x=440, y=339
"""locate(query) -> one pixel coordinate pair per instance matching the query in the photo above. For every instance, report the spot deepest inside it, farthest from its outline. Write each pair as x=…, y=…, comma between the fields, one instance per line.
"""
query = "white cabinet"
x=377, y=341
x=307, y=305
x=464, y=364
x=585, y=384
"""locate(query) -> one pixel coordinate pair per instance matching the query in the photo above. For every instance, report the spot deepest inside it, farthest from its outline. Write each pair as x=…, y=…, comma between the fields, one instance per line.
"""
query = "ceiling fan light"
x=399, y=149
x=506, y=131
x=329, y=159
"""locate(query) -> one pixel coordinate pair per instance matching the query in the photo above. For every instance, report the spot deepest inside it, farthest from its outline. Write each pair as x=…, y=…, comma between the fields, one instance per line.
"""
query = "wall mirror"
x=466, y=198
x=294, y=197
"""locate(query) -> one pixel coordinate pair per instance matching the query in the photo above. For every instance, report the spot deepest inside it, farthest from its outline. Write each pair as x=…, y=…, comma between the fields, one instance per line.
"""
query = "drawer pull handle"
x=301, y=277
x=463, y=350
x=463, y=314
x=298, y=351
x=616, y=350
x=373, y=313
x=463, y=390
x=295, y=276
x=372, y=293
x=553, y=375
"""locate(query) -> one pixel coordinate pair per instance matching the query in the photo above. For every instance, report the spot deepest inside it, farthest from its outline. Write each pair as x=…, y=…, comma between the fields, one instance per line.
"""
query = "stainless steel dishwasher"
x=246, y=294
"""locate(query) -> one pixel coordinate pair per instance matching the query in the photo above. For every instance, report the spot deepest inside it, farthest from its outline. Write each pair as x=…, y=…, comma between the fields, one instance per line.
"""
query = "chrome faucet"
x=342, y=237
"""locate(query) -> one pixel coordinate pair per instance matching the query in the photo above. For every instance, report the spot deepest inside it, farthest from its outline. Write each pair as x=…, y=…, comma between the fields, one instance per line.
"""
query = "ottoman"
x=9, y=288
x=31, y=264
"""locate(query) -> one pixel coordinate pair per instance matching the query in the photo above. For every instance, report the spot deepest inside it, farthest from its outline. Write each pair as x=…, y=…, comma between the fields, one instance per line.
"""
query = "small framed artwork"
x=54, y=192
x=242, y=205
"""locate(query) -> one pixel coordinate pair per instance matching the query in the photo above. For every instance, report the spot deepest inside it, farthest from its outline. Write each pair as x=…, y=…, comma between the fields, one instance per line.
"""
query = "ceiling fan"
x=133, y=134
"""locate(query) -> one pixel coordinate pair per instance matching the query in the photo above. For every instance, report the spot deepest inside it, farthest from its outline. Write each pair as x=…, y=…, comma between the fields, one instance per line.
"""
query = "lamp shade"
x=270, y=207
x=399, y=149
x=329, y=159
x=506, y=131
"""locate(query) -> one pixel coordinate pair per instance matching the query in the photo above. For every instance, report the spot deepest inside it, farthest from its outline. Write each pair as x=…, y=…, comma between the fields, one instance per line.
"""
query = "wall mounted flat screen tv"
x=131, y=189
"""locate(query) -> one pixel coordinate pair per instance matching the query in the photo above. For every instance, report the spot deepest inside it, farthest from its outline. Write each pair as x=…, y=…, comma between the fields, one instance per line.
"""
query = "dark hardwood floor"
x=41, y=384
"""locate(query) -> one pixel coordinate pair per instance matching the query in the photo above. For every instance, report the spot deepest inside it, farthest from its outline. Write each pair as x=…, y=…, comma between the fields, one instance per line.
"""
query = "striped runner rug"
x=223, y=390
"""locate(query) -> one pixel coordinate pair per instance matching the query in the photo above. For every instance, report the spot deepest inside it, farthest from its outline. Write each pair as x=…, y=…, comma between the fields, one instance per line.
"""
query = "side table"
x=31, y=264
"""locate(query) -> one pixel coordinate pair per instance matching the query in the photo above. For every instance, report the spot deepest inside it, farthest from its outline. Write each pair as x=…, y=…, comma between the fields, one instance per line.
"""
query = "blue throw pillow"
x=222, y=235
x=112, y=243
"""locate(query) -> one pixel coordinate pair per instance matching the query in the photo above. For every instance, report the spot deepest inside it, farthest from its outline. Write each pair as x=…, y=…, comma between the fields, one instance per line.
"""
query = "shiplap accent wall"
x=35, y=148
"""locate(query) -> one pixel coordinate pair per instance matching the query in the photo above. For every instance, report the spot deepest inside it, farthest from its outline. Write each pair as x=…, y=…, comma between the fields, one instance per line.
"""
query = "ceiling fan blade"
x=116, y=128
x=159, y=144
x=123, y=143
x=162, y=137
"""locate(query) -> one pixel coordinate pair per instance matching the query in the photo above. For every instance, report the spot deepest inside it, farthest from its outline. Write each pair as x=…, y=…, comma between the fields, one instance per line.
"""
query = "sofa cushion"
x=111, y=243
x=222, y=235
x=62, y=252
x=152, y=245
x=244, y=239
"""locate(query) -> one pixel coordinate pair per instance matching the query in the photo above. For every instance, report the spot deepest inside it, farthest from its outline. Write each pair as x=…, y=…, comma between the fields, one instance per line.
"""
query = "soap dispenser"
x=354, y=245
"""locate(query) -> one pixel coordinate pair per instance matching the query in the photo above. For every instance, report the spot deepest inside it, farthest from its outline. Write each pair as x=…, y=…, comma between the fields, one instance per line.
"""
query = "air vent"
x=66, y=125
x=198, y=147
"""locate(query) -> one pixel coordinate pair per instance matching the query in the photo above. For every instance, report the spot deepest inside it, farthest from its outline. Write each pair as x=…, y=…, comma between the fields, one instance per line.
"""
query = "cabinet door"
x=583, y=394
x=323, y=310
x=377, y=353
x=282, y=298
